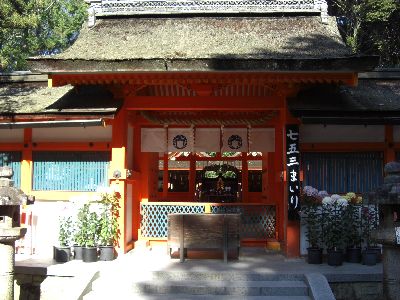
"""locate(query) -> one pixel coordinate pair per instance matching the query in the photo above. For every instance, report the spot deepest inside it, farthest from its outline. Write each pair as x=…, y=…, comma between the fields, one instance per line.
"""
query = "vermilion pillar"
x=26, y=163
x=117, y=173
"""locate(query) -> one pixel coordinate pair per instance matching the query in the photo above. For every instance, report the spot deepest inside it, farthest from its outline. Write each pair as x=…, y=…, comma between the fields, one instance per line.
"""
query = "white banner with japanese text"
x=234, y=140
x=180, y=139
x=207, y=140
x=261, y=140
x=154, y=140
x=293, y=170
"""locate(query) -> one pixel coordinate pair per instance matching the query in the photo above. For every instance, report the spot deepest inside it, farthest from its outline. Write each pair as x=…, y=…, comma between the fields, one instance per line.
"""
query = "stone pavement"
x=140, y=264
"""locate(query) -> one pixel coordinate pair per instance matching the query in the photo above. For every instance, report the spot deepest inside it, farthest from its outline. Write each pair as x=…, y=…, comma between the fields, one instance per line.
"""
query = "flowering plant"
x=108, y=221
x=65, y=231
x=311, y=200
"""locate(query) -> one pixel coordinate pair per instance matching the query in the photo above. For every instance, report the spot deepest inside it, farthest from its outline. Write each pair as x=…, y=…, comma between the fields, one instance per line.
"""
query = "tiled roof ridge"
x=100, y=8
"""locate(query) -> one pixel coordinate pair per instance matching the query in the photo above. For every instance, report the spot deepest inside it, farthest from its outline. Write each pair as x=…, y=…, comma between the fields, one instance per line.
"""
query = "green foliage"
x=108, y=221
x=229, y=174
x=333, y=226
x=371, y=27
x=352, y=225
x=65, y=231
x=313, y=221
x=210, y=174
x=33, y=27
x=369, y=222
x=87, y=227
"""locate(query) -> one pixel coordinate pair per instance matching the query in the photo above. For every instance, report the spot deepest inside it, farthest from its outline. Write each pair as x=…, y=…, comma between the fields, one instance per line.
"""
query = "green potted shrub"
x=352, y=225
x=62, y=252
x=108, y=225
x=369, y=221
x=333, y=227
x=88, y=232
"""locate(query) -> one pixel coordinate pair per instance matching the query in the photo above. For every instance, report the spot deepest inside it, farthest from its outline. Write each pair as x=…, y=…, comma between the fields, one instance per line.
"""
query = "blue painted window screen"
x=14, y=161
x=342, y=172
x=70, y=171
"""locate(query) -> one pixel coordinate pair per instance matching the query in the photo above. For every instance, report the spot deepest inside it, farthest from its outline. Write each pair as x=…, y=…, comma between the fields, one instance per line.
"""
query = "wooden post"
x=26, y=162
x=225, y=240
x=165, y=177
x=192, y=176
x=390, y=154
x=245, y=179
x=118, y=164
x=181, y=240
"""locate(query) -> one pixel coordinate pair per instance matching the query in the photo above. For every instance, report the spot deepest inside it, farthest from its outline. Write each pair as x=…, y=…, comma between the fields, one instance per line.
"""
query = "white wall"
x=11, y=135
x=43, y=233
x=341, y=133
x=72, y=134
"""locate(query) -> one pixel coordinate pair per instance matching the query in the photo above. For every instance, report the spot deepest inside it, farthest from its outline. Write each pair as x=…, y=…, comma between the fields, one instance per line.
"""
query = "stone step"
x=223, y=276
x=196, y=287
x=117, y=295
x=202, y=276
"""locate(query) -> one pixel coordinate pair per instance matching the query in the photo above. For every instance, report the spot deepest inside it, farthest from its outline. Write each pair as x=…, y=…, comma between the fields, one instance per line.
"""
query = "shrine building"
x=202, y=107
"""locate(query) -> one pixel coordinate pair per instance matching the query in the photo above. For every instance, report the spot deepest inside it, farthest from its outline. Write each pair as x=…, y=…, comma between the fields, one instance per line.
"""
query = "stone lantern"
x=388, y=232
x=11, y=199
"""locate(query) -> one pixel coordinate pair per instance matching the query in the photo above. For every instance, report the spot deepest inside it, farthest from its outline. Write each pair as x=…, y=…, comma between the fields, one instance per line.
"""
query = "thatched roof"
x=202, y=43
x=372, y=101
x=23, y=99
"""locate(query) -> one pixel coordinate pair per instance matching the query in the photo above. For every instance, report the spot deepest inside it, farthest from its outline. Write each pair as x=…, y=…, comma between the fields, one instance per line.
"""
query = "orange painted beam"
x=343, y=146
x=200, y=78
x=11, y=146
x=71, y=146
x=203, y=103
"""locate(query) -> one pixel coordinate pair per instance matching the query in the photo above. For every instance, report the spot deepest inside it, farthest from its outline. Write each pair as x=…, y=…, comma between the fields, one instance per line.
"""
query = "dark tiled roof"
x=372, y=101
x=17, y=99
x=199, y=43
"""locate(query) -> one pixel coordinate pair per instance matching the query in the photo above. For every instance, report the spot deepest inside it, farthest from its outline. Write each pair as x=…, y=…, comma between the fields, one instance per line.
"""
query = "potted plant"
x=78, y=237
x=352, y=225
x=108, y=225
x=333, y=210
x=62, y=252
x=311, y=213
x=88, y=227
x=369, y=219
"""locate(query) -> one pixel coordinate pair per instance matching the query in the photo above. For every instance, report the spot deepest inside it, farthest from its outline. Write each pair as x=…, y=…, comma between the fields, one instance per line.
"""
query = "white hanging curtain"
x=234, y=140
x=180, y=139
x=208, y=140
x=262, y=140
x=154, y=140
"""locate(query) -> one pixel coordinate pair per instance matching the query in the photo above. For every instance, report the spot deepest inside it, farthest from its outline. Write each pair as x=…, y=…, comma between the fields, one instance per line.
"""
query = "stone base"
x=357, y=290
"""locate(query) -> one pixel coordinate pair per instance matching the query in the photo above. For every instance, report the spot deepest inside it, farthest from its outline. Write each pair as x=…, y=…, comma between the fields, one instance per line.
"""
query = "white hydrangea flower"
x=327, y=201
x=335, y=197
x=342, y=202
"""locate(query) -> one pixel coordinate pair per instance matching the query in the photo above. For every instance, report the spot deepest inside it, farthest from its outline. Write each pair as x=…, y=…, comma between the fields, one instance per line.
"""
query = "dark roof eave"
x=347, y=117
x=343, y=64
x=377, y=120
